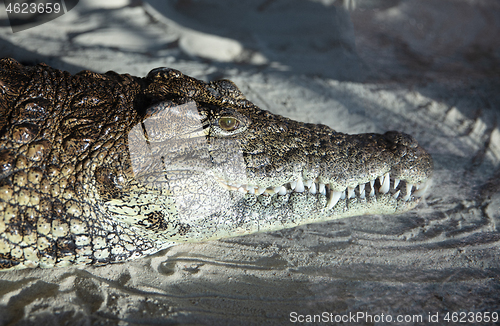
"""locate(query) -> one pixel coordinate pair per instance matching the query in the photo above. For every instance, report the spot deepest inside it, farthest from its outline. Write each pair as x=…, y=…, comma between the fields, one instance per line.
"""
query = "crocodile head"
x=232, y=168
x=99, y=168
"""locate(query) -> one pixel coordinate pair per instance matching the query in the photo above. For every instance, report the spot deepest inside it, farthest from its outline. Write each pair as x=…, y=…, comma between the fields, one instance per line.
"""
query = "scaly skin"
x=100, y=168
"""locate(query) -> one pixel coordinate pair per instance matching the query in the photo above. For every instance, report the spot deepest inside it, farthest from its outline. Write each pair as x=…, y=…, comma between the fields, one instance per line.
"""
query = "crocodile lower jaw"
x=383, y=185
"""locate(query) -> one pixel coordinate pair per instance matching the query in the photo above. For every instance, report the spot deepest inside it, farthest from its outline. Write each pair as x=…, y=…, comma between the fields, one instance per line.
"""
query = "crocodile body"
x=99, y=168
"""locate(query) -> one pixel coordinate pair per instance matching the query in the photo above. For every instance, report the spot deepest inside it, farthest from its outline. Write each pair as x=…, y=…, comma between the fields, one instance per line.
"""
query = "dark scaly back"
x=52, y=126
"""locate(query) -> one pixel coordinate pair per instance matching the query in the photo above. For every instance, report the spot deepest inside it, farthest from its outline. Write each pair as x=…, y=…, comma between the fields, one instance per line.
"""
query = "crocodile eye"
x=229, y=123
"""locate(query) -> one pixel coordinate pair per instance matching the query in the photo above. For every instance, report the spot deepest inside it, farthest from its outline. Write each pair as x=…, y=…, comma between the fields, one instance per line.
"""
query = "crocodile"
x=104, y=168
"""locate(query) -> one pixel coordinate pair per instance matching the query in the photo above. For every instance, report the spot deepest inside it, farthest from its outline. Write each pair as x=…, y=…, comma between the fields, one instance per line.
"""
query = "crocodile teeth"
x=362, y=191
x=421, y=189
x=385, y=182
x=300, y=186
x=260, y=191
x=322, y=189
x=408, y=192
x=312, y=189
x=350, y=192
x=395, y=196
x=334, y=198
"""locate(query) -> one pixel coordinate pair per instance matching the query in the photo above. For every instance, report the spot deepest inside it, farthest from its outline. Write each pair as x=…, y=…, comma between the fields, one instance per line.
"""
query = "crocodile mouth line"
x=381, y=185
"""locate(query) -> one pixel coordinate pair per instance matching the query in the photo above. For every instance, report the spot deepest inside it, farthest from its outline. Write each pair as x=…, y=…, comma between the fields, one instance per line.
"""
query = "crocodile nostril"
x=397, y=137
